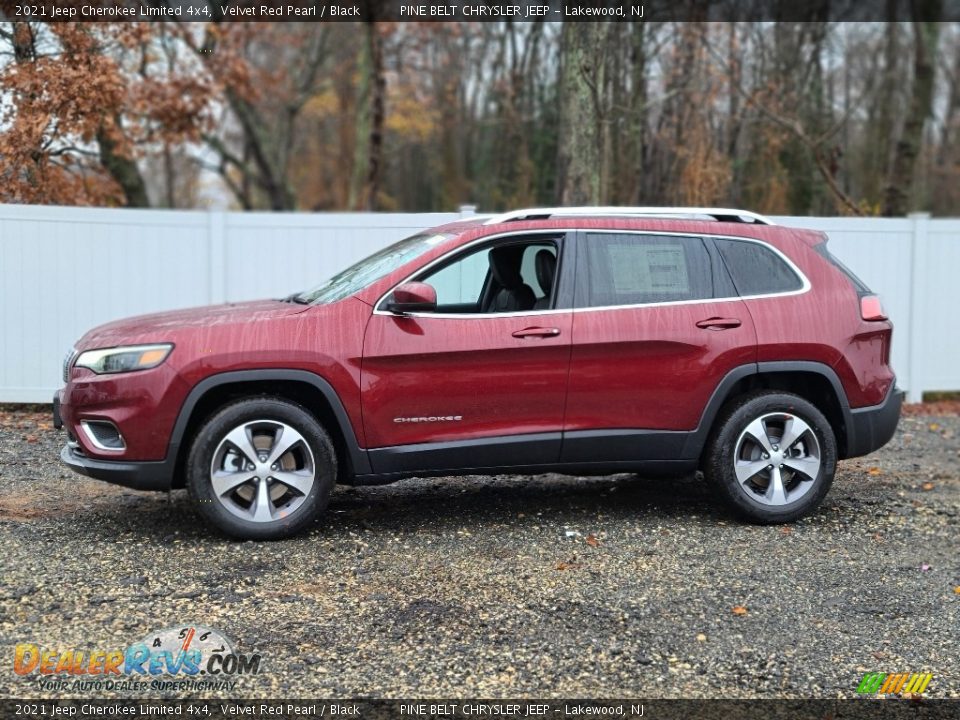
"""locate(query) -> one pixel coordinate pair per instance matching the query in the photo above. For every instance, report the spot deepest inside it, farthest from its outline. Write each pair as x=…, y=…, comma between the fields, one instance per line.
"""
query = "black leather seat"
x=514, y=295
x=545, y=263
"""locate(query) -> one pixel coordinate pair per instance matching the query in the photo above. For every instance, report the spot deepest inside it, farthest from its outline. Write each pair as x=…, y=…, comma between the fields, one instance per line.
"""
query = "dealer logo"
x=189, y=650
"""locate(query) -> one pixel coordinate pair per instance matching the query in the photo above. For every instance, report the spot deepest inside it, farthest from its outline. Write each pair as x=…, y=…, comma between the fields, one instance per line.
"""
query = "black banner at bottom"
x=366, y=709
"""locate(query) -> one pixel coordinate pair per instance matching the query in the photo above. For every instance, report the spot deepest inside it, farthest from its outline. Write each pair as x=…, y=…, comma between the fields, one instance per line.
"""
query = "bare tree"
x=926, y=34
x=581, y=78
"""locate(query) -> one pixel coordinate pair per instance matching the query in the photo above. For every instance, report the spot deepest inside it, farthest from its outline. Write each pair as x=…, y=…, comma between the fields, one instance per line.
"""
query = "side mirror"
x=413, y=297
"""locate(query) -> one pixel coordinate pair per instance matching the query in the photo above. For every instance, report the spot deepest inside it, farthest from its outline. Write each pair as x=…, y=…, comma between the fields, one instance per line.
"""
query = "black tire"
x=748, y=499
x=285, y=415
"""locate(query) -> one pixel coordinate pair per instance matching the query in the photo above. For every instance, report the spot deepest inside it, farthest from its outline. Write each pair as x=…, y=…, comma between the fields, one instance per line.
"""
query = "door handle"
x=537, y=332
x=719, y=323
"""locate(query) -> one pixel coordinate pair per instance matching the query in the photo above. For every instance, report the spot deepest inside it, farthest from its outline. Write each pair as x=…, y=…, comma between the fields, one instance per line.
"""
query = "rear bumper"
x=136, y=475
x=871, y=428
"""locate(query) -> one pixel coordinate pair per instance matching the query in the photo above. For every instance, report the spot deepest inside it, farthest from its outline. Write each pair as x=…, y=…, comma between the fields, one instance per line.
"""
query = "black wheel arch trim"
x=358, y=456
x=697, y=440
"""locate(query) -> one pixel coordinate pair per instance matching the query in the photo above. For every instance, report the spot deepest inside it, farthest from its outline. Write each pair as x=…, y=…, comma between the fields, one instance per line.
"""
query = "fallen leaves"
x=572, y=564
x=740, y=610
x=875, y=471
x=701, y=637
x=956, y=590
x=945, y=406
x=927, y=486
x=591, y=539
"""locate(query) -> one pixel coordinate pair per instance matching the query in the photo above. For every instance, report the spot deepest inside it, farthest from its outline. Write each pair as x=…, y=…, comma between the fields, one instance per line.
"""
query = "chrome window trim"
x=805, y=282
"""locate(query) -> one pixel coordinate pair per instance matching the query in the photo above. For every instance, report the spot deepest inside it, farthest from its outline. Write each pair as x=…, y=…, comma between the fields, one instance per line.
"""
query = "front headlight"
x=124, y=359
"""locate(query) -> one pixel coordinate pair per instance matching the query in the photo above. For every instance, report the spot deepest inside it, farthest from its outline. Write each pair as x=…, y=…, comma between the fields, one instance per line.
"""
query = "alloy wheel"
x=262, y=471
x=777, y=459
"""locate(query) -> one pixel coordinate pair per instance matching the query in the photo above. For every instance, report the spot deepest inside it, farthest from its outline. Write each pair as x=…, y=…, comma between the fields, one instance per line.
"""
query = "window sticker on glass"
x=649, y=268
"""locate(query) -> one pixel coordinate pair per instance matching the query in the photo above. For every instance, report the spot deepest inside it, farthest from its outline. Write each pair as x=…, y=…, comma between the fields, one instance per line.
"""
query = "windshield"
x=358, y=276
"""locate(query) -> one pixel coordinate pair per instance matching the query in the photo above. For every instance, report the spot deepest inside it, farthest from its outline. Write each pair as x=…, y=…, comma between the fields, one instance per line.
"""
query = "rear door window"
x=636, y=269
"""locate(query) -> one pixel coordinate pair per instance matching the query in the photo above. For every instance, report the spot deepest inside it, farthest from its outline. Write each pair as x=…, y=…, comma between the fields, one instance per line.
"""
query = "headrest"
x=546, y=266
x=505, y=265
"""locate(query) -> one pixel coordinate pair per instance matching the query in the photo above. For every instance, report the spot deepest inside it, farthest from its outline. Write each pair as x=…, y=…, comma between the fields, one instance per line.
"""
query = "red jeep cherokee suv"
x=574, y=340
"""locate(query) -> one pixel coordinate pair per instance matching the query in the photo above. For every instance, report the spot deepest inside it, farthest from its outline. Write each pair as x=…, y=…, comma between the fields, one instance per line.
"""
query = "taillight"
x=871, y=309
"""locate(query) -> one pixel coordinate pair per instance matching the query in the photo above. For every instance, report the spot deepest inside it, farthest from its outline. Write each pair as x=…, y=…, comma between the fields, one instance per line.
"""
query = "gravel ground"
x=542, y=586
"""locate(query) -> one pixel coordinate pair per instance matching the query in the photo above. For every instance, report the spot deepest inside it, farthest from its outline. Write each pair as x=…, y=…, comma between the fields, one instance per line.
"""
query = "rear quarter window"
x=756, y=269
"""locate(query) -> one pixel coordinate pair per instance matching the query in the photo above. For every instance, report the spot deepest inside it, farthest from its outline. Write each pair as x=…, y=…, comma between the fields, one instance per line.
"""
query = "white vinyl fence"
x=65, y=270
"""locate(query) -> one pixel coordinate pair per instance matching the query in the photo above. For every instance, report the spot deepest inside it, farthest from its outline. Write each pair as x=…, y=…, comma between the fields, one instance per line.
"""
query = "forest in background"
x=779, y=117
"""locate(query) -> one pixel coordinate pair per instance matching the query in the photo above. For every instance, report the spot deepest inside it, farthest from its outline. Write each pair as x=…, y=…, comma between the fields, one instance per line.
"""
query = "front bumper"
x=871, y=428
x=136, y=475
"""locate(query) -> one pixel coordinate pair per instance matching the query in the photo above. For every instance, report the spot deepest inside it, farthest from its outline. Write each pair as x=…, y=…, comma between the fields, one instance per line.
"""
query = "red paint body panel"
x=326, y=340
x=652, y=367
x=470, y=368
x=824, y=325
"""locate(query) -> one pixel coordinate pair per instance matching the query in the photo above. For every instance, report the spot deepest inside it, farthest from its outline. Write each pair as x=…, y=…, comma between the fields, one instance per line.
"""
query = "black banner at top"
x=480, y=10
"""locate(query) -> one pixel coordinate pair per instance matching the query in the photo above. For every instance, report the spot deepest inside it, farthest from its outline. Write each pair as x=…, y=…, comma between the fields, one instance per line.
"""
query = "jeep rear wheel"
x=772, y=457
x=261, y=469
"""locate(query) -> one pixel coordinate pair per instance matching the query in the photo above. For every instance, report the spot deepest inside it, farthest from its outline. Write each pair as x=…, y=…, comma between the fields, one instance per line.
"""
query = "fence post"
x=216, y=256
x=918, y=293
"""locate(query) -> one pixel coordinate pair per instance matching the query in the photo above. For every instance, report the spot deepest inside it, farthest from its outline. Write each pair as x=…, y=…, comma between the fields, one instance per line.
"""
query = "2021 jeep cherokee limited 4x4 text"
x=576, y=340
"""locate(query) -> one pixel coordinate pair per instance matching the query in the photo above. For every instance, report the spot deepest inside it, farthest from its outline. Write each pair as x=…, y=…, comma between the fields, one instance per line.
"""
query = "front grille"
x=68, y=363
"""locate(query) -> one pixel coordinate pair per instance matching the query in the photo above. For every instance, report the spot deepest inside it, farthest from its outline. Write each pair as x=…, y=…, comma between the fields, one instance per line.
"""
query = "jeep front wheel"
x=261, y=469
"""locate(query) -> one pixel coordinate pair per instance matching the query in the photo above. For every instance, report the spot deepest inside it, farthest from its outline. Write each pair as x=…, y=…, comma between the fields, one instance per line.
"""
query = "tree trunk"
x=378, y=92
x=266, y=170
x=122, y=169
x=902, y=178
x=581, y=77
x=356, y=199
x=169, y=177
x=639, y=113
x=24, y=42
